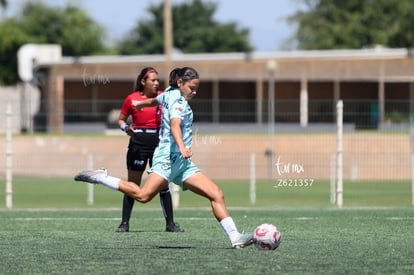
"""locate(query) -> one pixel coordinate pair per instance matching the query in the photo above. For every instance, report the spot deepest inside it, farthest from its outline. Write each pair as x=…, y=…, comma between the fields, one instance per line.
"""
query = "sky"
x=265, y=19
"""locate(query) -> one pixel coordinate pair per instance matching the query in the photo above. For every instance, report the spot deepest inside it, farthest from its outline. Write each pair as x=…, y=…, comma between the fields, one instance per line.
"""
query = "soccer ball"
x=266, y=237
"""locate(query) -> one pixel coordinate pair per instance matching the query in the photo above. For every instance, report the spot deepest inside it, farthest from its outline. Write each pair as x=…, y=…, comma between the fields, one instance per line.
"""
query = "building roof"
x=364, y=64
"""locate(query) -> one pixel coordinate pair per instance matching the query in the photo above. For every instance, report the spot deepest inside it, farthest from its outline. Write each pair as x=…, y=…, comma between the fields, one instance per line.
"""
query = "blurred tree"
x=194, y=31
x=11, y=38
x=70, y=27
x=354, y=24
x=3, y=3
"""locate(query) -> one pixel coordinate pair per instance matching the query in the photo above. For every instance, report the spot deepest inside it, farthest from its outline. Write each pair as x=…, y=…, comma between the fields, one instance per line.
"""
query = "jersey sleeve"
x=126, y=106
x=161, y=98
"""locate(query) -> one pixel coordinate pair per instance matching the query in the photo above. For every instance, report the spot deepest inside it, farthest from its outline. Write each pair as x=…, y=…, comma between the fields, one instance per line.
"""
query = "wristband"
x=124, y=127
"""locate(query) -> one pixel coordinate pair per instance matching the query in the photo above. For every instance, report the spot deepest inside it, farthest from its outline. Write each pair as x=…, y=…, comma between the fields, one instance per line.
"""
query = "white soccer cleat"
x=243, y=241
x=91, y=176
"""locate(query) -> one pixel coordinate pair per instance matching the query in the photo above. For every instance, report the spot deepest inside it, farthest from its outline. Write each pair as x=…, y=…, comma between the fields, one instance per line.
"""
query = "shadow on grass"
x=177, y=247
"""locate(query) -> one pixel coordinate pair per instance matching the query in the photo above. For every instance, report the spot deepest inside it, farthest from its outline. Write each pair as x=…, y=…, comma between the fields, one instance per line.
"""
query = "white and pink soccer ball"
x=266, y=237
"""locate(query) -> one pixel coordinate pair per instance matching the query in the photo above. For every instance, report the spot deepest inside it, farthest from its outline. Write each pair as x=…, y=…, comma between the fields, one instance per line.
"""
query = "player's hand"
x=135, y=103
x=186, y=153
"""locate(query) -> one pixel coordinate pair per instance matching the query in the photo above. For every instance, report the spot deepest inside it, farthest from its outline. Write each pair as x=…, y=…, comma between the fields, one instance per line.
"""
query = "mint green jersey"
x=167, y=161
x=174, y=106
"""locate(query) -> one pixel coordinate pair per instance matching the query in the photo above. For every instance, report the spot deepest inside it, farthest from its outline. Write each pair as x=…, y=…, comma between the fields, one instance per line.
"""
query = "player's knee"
x=218, y=195
x=143, y=199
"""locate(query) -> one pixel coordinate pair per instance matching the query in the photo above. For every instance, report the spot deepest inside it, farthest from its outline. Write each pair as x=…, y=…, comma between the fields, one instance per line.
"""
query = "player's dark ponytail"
x=185, y=74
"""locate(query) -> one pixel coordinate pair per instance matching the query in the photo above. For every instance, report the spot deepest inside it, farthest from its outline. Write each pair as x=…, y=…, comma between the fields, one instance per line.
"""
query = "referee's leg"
x=128, y=202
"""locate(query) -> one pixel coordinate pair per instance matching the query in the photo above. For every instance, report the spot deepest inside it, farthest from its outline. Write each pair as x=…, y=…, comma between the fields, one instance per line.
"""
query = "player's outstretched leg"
x=99, y=176
x=91, y=176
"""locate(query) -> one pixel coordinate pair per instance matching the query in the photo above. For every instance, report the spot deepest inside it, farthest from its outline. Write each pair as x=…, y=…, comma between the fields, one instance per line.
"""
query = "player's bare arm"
x=151, y=102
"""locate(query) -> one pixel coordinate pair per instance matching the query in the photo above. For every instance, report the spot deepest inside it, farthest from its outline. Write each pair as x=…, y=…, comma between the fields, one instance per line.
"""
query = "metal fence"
x=225, y=142
x=363, y=114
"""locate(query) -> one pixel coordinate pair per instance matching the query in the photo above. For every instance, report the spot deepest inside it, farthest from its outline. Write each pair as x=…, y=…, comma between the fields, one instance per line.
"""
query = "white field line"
x=399, y=218
x=115, y=219
x=251, y=208
x=95, y=219
x=308, y=218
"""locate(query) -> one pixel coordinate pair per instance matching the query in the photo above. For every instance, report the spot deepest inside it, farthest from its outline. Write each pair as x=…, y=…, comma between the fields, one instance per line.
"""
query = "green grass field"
x=52, y=230
x=65, y=193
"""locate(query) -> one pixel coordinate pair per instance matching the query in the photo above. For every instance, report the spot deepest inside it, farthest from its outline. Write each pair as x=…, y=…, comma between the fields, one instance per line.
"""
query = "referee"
x=143, y=140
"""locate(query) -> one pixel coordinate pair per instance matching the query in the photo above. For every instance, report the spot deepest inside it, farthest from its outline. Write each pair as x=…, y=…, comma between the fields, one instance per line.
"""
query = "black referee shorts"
x=141, y=149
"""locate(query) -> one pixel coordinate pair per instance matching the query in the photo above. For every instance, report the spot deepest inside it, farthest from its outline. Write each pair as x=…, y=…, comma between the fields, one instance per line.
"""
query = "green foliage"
x=11, y=38
x=397, y=117
x=70, y=27
x=354, y=24
x=194, y=30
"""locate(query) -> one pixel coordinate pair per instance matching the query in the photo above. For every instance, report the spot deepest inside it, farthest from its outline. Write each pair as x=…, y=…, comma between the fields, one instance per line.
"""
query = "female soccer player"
x=142, y=142
x=172, y=158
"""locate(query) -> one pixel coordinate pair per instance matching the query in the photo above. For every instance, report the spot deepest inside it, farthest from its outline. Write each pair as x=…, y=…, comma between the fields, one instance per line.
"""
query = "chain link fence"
x=224, y=143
